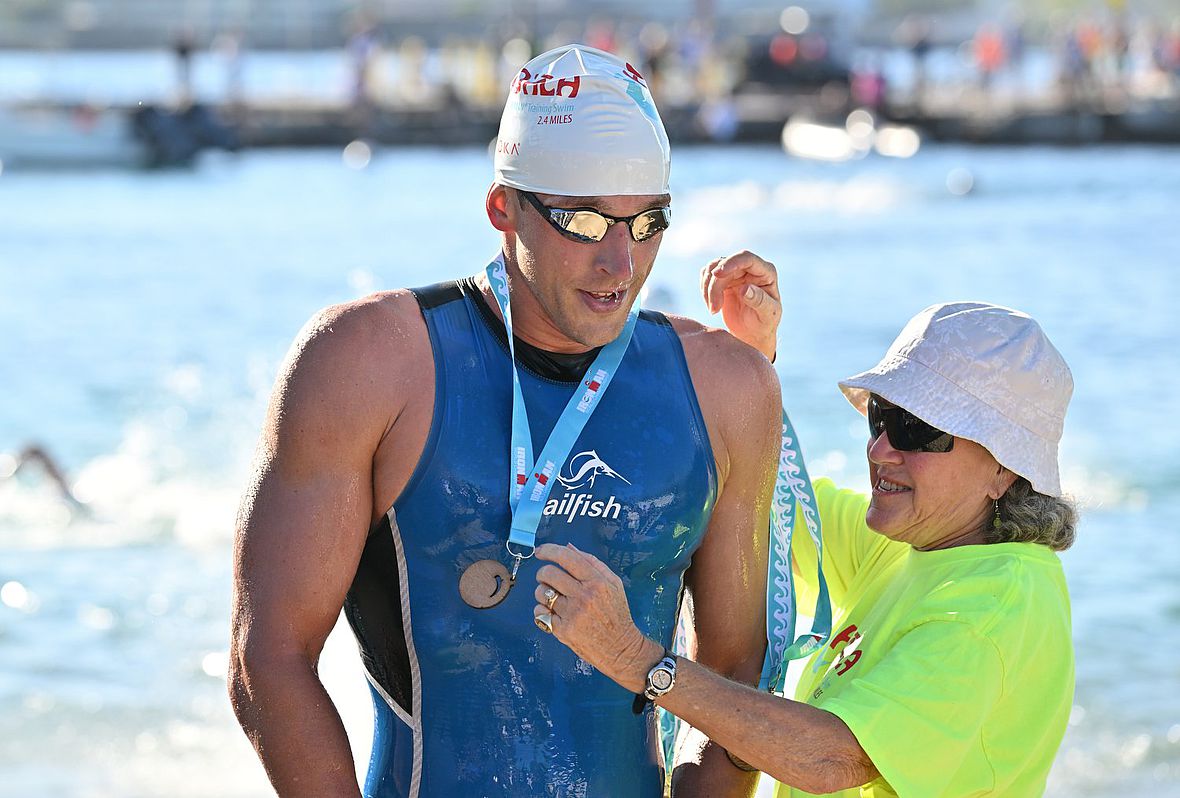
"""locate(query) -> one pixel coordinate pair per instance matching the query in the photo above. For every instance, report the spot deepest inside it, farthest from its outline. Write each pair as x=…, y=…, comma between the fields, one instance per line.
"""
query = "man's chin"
x=601, y=335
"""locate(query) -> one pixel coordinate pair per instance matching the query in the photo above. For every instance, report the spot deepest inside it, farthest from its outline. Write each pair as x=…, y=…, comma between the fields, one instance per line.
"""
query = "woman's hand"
x=590, y=614
x=744, y=287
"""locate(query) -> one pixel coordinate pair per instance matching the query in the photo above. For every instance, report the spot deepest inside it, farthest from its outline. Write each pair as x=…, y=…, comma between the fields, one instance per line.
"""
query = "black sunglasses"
x=589, y=225
x=907, y=432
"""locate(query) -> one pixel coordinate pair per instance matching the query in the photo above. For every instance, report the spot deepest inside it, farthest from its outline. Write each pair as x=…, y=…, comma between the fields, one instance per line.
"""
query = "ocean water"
x=143, y=316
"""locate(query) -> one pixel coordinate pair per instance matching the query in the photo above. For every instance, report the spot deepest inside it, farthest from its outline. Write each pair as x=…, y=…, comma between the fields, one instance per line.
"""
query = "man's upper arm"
x=303, y=521
x=742, y=405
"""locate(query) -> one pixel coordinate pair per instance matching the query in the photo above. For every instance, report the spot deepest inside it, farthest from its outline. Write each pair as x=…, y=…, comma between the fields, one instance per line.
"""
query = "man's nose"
x=616, y=249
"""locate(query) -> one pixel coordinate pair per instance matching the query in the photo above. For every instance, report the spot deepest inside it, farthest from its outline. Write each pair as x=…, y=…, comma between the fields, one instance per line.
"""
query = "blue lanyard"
x=532, y=481
x=792, y=485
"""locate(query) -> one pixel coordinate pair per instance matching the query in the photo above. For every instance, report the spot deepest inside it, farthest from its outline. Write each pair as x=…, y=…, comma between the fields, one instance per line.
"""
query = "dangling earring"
x=996, y=522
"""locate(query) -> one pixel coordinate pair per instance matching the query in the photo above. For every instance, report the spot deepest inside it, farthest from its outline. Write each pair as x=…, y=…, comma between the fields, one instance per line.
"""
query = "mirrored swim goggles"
x=907, y=432
x=588, y=225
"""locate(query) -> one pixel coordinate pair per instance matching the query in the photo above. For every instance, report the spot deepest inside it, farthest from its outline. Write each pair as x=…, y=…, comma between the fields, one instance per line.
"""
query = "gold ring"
x=550, y=598
x=544, y=622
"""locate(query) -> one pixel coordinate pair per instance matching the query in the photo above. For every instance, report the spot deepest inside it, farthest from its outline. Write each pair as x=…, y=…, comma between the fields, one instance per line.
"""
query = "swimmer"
x=36, y=455
x=420, y=443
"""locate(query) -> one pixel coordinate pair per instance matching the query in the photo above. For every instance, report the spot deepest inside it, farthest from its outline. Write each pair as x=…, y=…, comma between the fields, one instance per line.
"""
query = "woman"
x=950, y=668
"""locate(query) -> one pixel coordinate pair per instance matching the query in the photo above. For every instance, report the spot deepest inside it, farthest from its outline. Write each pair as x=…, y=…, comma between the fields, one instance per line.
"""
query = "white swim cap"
x=580, y=122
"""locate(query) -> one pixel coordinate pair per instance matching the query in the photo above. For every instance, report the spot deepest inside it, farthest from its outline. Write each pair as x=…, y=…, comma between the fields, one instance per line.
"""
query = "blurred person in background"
x=416, y=448
x=183, y=46
x=36, y=455
x=989, y=53
x=363, y=47
x=951, y=672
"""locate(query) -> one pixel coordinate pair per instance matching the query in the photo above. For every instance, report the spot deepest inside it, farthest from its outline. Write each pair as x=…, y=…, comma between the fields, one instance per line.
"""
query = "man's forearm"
x=294, y=726
x=712, y=774
x=707, y=771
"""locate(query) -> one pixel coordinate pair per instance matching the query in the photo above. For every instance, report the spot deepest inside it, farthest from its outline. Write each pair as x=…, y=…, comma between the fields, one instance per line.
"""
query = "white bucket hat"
x=981, y=372
x=580, y=122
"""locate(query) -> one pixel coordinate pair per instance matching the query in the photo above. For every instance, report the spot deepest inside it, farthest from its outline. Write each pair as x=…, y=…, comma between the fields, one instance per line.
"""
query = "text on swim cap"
x=543, y=85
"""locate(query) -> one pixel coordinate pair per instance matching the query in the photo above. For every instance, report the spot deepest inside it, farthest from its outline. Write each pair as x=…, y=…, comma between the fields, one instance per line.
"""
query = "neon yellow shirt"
x=953, y=668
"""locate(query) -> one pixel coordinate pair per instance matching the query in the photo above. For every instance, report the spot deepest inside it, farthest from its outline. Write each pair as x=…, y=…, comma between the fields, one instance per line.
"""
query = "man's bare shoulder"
x=722, y=360
x=382, y=323
x=356, y=362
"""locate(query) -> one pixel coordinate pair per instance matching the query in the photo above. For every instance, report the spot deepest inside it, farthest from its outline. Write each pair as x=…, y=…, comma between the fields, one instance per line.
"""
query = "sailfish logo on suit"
x=585, y=467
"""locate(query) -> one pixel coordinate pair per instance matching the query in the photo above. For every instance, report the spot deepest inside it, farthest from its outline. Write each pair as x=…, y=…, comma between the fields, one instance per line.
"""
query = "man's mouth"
x=604, y=301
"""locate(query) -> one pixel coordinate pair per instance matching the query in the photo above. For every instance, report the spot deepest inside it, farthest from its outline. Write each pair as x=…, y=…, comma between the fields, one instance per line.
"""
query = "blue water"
x=127, y=77
x=143, y=316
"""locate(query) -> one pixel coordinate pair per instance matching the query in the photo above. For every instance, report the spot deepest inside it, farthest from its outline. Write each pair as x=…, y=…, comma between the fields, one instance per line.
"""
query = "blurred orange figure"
x=989, y=49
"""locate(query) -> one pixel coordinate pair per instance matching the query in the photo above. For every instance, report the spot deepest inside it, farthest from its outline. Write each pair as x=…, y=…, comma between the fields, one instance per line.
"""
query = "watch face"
x=661, y=679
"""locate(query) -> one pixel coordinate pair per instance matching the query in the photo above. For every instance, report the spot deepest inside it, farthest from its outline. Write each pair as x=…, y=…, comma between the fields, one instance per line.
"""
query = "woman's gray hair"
x=1025, y=516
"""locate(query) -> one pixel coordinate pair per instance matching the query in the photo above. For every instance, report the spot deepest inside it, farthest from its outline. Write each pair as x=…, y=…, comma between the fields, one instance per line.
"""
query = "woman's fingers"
x=755, y=297
x=706, y=273
x=579, y=564
x=577, y=577
x=550, y=604
x=559, y=580
x=586, y=586
x=711, y=296
x=589, y=610
x=746, y=268
x=760, y=301
x=736, y=271
x=549, y=624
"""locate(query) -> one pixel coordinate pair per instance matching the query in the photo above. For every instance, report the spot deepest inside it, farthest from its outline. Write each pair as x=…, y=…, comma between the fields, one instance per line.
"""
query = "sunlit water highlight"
x=142, y=317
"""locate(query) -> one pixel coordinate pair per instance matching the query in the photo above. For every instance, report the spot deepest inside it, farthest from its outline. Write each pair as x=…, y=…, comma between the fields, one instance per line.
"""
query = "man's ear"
x=499, y=205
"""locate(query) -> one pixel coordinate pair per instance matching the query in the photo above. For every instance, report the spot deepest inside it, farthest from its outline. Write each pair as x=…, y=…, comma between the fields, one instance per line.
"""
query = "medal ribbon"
x=792, y=485
x=532, y=481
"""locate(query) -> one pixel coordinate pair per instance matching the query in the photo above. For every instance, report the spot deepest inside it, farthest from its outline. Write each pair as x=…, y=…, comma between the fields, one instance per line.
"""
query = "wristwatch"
x=660, y=679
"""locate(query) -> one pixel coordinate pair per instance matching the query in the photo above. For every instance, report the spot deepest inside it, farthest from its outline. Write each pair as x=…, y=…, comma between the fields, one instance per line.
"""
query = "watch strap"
x=641, y=700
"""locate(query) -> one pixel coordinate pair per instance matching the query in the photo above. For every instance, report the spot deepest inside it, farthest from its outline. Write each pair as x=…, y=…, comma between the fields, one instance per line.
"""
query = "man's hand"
x=744, y=287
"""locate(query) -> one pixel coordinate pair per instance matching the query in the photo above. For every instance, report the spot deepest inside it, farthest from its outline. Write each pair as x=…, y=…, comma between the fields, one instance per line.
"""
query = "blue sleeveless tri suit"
x=479, y=702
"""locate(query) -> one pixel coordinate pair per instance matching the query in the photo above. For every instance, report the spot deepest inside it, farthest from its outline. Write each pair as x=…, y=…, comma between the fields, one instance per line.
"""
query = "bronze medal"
x=484, y=583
